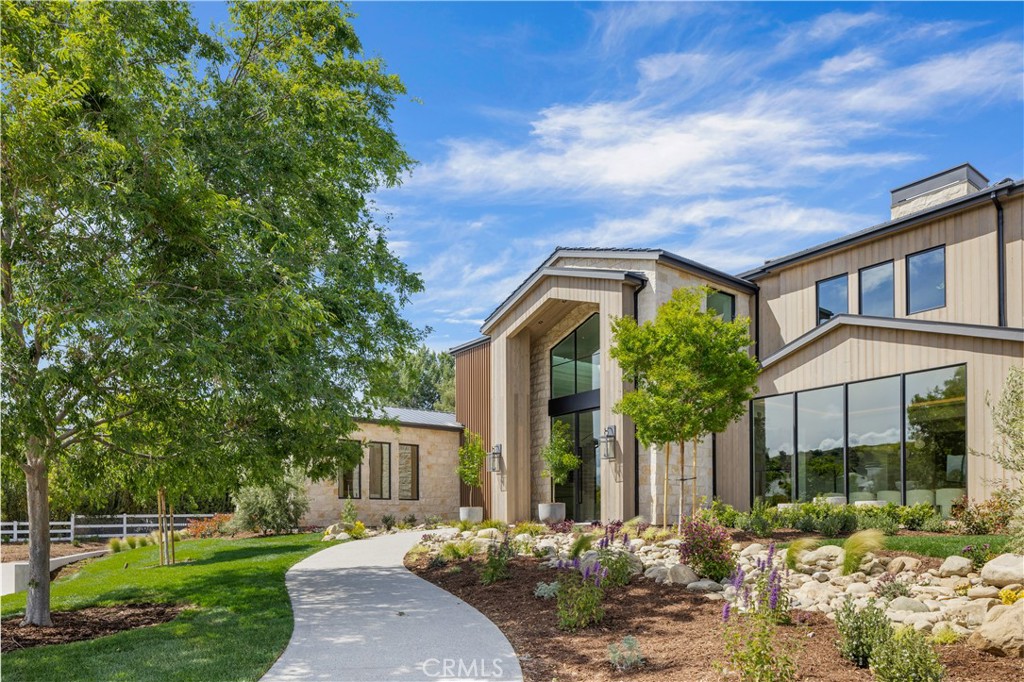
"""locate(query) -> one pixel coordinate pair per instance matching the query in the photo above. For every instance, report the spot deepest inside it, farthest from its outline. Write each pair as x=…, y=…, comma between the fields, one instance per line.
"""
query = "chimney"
x=936, y=189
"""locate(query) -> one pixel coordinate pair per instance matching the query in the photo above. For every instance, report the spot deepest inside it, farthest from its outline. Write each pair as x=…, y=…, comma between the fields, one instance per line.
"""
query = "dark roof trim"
x=414, y=425
x=469, y=345
x=1007, y=187
x=667, y=257
x=540, y=273
x=980, y=331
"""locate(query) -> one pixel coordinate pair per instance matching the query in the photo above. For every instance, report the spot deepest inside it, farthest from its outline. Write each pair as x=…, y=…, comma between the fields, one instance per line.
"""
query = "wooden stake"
x=693, y=504
x=664, y=498
x=160, y=523
x=172, y=534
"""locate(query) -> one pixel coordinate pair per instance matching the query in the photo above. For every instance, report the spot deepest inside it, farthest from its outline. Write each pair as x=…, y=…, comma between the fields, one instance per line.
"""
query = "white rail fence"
x=80, y=526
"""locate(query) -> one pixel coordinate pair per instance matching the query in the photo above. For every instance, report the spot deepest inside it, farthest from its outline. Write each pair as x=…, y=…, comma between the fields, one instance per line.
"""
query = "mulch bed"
x=679, y=633
x=18, y=551
x=88, y=623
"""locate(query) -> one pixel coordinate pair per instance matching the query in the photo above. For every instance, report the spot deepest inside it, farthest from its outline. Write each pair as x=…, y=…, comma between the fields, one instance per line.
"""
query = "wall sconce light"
x=608, y=443
x=494, y=459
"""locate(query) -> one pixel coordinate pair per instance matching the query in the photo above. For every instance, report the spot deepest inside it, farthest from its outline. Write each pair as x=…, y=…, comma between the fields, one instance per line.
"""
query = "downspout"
x=1000, y=259
x=636, y=443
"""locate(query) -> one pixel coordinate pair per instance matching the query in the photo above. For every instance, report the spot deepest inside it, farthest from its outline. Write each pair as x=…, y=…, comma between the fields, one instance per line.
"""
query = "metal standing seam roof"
x=423, y=418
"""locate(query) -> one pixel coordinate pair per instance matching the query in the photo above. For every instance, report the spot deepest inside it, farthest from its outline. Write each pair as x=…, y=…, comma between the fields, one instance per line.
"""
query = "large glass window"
x=773, y=448
x=819, y=459
x=408, y=472
x=926, y=280
x=833, y=298
x=379, y=463
x=722, y=303
x=936, y=414
x=349, y=479
x=576, y=360
x=874, y=440
x=877, y=291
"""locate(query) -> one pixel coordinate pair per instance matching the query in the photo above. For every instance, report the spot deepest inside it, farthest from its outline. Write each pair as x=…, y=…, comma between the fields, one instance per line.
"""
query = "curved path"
x=360, y=615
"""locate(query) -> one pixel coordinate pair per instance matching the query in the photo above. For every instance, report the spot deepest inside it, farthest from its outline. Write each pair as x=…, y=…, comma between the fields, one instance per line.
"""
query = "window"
x=576, y=360
x=926, y=280
x=408, y=472
x=350, y=480
x=874, y=440
x=379, y=463
x=820, y=440
x=773, y=448
x=936, y=414
x=722, y=303
x=877, y=292
x=833, y=298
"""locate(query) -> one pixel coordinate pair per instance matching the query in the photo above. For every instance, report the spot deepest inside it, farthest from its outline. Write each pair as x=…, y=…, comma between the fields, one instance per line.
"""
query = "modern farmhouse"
x=879, y=352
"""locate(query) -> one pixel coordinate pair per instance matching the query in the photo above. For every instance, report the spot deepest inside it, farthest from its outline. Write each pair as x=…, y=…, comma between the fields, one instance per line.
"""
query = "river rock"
x=702, y=586
x=658, y=574
x=972, y=613
x=907, y=604
x=983, y=592
x=1005, y=569
x=681, y=574
x=955, y=566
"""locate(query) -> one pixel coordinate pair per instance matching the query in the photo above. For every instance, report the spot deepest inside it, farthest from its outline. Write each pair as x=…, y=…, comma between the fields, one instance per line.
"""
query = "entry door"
x=581, y=493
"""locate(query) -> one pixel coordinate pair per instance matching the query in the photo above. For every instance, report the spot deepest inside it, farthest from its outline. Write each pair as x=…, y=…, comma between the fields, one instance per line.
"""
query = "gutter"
x=636, y=443
x=1000, y=258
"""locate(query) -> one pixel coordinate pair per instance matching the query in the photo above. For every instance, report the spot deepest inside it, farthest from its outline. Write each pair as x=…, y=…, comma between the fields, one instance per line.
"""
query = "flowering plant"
x=768, y=598
x=978, y=554
x=706, y=548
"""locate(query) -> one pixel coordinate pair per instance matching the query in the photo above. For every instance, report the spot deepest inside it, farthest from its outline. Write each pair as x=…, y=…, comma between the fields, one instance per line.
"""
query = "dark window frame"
x=416, y=448
x=945, y=279
x=860, y=285
x=732, y=298
x=369, y=491
x=817, y=297
x=357, y=484
x=574, y=361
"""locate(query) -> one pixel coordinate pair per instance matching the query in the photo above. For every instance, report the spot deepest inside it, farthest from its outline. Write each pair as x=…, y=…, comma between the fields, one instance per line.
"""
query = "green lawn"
x=940, y=546
x=242, y=623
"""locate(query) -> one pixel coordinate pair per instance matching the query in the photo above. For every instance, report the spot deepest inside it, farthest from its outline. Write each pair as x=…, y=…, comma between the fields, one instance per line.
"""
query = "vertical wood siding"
x=473, y=409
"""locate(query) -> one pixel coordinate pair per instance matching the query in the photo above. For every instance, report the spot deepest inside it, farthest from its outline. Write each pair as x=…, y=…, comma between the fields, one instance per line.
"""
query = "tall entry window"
x=576, y=360
x=899, y=439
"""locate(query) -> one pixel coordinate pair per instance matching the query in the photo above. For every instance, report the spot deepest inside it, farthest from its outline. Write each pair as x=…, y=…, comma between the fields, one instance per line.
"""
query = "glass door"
x=581, y=493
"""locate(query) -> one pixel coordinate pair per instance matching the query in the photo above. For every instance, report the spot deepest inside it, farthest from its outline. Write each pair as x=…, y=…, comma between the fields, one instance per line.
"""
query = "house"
x=409, y=468
x=879, y=351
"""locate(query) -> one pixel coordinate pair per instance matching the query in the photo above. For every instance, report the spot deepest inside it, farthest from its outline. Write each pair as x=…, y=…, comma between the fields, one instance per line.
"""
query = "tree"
x=472, y=456
x=193, y=284
x=692, y=371
x=1008, y=422
x=425, y=380
x=559, y=455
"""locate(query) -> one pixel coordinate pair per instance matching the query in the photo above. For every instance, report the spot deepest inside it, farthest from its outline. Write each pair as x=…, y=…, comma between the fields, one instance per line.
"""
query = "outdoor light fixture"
x=608, y=443
x=494, y=461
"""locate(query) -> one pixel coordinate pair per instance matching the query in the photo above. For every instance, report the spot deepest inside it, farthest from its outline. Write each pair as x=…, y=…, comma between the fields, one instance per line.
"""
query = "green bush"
x=753, y=653
x=357, y=531
x=409, y=520
x=580, y=545
x=492, y=523
x=707, y=549
x=618, y=565
x=388, y=521
x=495, y=567
x=860, y=632
x=457, y=551
x=879, y=521
x=578, y=601
x=907, y=656
x=546, y=590
x=916, y=516
x=115, y=545
x=720, y=513
x=349, y=515
x=274, y=508
x=626, y=656
x=760, y=520
x=857, y=547
x=889, y=587
x=131, y=541
x=529, y=528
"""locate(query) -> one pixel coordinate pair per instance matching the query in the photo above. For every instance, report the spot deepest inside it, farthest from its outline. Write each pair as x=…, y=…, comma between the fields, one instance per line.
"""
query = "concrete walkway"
x=360, y=615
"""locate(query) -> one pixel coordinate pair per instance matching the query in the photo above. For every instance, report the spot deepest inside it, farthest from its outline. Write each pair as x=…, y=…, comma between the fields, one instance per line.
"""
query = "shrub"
x=566, y=526
x=207, y=527
x=720, y=513
x=457, y=551
x=433, y=521
x=759, y=521
x=752, y=651
x=546, y=590
x=1009, y=596
x=914, y=517
x=578, y=601
x=882, y=522
x=492, y=523
x=357, y=531
x=274, y=508
x=115, y=545
x=861, y=632
x=131, y=541
x=618, y=565
x=409, y=520
x=985, y=518
x=978, y=554
x=796, y=547
x=769, y=597
x=626, y=656
x=529, y=528
x=495, y=567
x=858, y=545
x=581, y=545
x=890, y=587
x=465, y=525
x=944, y=635
x=143, y=541
x=907, y=656
x=935, y=524
x=388, y=521
x=706, y=548
x=349, y=515
x=437, y=561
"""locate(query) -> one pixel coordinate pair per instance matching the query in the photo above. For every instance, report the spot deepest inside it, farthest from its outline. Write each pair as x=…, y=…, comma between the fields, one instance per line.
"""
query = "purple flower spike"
x=725, y=612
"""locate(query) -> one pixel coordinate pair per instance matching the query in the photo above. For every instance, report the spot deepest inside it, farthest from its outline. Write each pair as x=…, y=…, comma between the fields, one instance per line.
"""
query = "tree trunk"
x=693, y=506
x=37, y=604
x=664, y=494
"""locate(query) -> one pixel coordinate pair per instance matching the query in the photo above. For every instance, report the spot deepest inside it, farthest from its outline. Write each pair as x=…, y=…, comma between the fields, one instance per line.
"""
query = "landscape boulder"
x=907, y=604
x=955, y=566
x=1003, y=635
x=681, y=574
x=703, y=586
x=1005, y=569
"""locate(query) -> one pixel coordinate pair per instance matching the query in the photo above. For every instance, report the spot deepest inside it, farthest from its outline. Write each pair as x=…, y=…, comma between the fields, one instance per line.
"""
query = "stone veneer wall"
x=439, y=482
x=540, y=393
x=651, y=477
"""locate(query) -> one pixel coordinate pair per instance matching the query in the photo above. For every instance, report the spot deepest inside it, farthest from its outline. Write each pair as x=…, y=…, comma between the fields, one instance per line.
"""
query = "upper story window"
x=722, y=303
x=926, y=280
x=575, y=360
x=877, y=290
x=833, y=297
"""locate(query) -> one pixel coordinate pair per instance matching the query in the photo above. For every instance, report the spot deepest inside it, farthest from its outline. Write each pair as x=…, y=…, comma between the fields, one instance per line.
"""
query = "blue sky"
x=728, y=133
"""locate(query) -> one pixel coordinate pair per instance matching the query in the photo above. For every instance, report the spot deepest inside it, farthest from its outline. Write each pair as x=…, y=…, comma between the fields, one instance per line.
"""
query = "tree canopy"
x=424, y=380
x=193, y=282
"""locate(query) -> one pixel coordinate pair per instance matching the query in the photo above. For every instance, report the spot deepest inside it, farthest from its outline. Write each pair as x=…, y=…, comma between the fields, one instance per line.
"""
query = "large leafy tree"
x=692, y=370
x=424, y=380
x=193, y=285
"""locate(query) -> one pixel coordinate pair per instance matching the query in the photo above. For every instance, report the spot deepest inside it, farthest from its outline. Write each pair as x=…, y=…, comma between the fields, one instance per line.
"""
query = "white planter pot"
x=471, y=514
x=551, y=512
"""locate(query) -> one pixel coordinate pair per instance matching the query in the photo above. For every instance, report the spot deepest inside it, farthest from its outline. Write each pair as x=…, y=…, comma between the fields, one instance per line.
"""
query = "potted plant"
x=471, y=463
x=560, y=459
